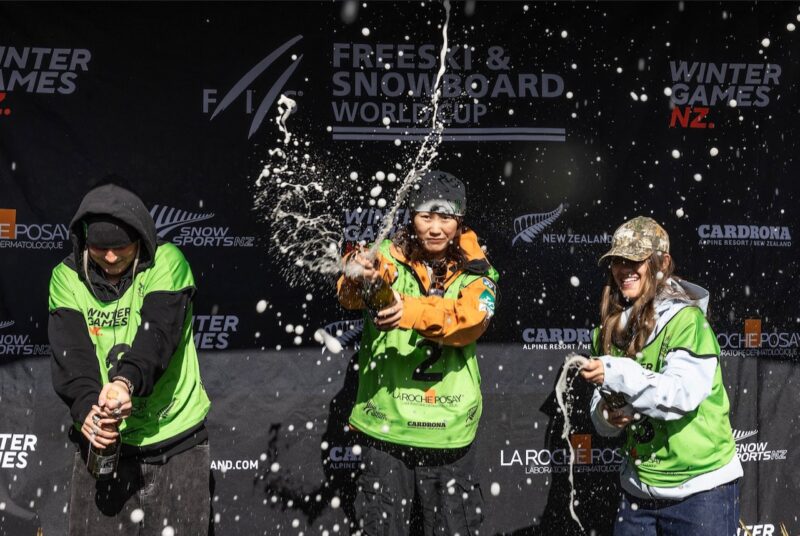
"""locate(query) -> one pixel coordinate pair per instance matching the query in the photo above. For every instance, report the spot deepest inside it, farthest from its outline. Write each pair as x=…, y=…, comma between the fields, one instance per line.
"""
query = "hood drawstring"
x=86, y=271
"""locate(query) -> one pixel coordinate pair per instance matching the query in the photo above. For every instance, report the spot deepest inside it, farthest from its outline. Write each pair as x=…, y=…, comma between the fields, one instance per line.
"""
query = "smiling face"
x=435, y=232
x=633, y=278
x=115, y=261
x=630, y=276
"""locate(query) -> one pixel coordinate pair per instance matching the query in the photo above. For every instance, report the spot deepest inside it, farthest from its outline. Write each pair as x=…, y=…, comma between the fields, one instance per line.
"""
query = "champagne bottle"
x=613, y=400
x=378, y=295
x=102, y=462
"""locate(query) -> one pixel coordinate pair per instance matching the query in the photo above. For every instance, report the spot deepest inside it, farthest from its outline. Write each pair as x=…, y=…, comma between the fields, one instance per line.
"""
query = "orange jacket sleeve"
x=448, y=321
x=349, y=290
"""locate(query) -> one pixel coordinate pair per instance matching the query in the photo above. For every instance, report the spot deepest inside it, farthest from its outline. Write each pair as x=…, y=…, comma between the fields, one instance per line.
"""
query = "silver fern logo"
x=740, y=435
x=527, y=227
x=346, y=331
x=168, y=218
x=6, y=324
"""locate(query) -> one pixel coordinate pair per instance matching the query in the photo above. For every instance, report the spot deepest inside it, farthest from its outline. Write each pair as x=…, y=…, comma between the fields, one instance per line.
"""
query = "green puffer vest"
x=668, y=453
x=411, y=390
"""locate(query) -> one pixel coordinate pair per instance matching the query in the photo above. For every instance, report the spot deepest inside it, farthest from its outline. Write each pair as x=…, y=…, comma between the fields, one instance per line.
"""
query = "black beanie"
x=107, y=232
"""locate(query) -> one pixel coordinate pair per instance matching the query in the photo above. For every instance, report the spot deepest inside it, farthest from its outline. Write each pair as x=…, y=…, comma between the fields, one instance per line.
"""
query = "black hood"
x=122, y=204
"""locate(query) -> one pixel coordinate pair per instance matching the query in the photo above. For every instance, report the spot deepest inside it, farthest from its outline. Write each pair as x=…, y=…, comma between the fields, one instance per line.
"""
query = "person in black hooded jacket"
x=124, y=362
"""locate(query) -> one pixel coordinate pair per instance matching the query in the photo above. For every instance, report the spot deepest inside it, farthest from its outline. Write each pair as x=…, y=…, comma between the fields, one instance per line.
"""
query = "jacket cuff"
x=412, y=310
x=613, y=374
x=82, y=406
x=133, y=374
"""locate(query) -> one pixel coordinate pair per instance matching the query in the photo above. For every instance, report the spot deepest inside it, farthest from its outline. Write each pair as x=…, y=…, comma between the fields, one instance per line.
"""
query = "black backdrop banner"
x=563, y=120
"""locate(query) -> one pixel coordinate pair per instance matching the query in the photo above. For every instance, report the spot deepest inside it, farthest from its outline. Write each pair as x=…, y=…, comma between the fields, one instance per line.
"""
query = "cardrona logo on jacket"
x=168, y=219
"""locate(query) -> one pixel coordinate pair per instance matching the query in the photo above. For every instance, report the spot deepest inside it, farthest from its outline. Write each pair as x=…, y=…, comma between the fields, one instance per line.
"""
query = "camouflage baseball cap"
x=637, y=239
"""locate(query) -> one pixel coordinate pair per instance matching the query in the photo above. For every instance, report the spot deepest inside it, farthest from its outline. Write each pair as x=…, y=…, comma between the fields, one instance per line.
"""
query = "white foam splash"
x=571, y=361
x=331, y=343
x=286, y=107
x=427, y=151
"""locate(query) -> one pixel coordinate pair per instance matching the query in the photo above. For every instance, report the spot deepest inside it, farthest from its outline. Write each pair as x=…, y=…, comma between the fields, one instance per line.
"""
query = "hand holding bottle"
x=99, y=428
x=594, y=372
x=389, y=317
x=361, y=268
x=119, y=404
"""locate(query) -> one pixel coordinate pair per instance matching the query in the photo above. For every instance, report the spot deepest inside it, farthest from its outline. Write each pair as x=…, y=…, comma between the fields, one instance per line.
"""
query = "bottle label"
x=106, y=464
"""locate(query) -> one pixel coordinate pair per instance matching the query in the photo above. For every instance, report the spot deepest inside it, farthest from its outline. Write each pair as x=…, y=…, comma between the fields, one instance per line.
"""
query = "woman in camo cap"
x=659, y=382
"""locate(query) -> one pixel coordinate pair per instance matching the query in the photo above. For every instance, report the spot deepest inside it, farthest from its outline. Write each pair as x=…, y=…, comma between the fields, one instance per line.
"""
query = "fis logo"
x=243, y=87
x=168, y=219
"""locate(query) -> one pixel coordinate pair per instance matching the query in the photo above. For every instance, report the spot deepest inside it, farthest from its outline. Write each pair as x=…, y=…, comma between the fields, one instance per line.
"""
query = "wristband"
x=126, y=381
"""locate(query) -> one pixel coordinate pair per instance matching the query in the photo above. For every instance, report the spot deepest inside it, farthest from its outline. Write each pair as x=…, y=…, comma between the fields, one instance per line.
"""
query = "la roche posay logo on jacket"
x=17, y=233
x=186, y=228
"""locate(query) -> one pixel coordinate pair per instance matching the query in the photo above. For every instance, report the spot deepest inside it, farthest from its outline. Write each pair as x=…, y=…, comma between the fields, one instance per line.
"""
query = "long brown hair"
x=632, y=336
x=406, y=240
